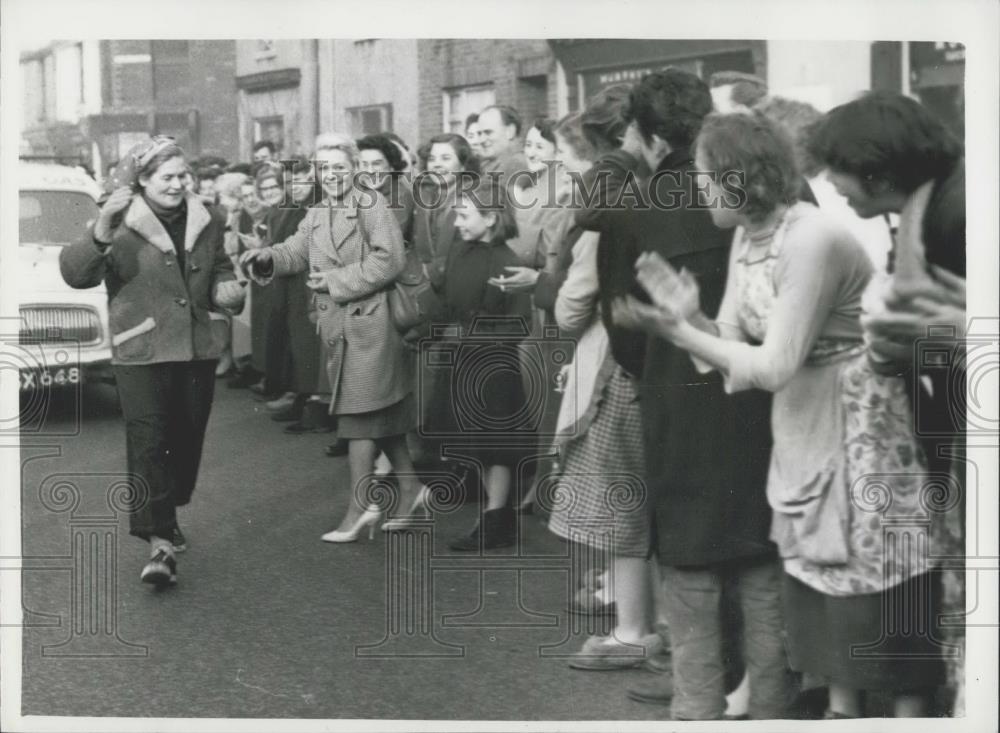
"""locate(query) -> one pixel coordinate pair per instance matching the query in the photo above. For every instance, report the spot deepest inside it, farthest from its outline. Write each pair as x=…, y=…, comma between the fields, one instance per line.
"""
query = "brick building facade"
x=96, y=103
x=463, y=75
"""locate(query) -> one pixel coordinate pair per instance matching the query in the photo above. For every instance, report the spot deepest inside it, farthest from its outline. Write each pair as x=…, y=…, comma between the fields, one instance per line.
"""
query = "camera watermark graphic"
x=45, y=365
x=899, y=516
x=473, y=375
x=956, y=370
x=94, y=505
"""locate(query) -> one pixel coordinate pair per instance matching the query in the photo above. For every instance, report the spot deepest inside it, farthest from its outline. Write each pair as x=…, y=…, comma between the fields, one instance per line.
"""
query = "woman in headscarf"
x=159, y=251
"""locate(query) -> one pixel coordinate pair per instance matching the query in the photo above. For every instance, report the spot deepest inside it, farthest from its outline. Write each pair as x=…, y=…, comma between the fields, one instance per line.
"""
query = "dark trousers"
x=166, y=409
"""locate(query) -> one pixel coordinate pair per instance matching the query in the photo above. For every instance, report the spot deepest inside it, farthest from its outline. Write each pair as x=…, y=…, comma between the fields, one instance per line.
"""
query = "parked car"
x=63, y=336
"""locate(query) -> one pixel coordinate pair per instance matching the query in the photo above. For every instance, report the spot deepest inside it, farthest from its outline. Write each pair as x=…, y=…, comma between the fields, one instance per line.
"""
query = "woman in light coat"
x=353, y=248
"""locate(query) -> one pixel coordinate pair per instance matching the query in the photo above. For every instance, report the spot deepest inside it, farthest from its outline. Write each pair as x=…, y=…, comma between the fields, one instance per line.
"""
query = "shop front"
x=594, y=64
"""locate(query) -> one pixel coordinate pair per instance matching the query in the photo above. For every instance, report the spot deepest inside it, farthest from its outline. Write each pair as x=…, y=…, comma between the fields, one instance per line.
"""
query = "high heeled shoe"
x=369, y=518
x=423, y=497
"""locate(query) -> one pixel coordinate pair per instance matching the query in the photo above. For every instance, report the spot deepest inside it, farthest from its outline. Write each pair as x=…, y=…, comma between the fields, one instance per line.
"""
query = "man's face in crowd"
x=494, y=136
x=262, y=155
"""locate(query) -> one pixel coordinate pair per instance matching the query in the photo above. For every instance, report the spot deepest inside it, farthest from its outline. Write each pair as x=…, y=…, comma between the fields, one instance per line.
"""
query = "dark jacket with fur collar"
x=156, y=312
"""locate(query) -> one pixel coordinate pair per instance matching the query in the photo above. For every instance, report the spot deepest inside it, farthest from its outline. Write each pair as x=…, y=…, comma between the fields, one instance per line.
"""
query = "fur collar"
x=141, y=219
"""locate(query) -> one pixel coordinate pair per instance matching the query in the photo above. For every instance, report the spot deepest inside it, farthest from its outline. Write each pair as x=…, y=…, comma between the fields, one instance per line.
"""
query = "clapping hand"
x=631, y=313
x=672, y=291
x=911, y=309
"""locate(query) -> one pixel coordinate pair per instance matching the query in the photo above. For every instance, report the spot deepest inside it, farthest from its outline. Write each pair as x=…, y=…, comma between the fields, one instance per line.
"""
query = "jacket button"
x=168, y=262
x=331, y=342
x=323, y=306
x=181, y=301
x=194, y=268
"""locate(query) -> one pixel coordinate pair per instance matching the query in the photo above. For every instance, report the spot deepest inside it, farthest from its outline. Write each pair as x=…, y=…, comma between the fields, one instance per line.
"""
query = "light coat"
x=156, y=312
x=358, y=246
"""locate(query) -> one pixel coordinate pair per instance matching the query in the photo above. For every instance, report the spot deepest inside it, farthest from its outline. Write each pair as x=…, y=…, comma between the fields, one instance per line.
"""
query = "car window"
x=54, y=217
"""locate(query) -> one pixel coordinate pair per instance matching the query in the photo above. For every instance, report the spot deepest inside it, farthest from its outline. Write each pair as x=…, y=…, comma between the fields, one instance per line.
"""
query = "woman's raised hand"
x=633, y=314
x=672, y=291
x=118, y=201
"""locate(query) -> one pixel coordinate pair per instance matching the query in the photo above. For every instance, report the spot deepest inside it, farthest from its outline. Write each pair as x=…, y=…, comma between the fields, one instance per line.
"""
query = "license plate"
x=32, y=379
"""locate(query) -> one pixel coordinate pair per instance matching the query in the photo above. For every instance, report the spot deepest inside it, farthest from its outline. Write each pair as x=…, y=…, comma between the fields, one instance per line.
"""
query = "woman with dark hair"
x=444, y=159
x=888, y=154
x=381, y=166
x=789, y=323
x=533, y=192
x=472, y=132
x=159, y=251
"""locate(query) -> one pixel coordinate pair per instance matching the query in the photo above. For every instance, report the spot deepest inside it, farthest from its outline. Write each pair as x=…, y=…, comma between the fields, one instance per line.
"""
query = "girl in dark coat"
x=488, y=420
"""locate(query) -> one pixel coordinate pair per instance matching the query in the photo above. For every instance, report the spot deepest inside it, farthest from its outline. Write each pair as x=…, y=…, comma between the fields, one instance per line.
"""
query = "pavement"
x=266, y=620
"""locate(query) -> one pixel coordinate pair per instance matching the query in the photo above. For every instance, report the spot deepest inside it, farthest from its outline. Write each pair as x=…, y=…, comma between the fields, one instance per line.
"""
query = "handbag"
x=412, y=300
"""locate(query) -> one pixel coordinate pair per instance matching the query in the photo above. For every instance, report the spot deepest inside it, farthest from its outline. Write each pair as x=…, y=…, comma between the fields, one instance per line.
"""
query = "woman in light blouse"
x=790, y=324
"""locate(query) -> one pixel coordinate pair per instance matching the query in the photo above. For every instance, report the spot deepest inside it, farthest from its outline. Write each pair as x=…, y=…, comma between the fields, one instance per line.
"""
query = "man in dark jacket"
x=707, y=452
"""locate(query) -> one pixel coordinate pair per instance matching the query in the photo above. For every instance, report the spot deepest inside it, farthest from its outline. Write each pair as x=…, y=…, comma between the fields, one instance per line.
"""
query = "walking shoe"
x=260, y=388
x=496, y=529
x=340, y=448
x=178, y=540
x=602, y=653
x=282, y=403
x=586, y=603
x=655, y=692
x=161, y=570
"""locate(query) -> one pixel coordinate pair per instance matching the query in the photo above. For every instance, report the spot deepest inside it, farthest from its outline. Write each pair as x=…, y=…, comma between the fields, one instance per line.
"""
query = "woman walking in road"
x=159, y=251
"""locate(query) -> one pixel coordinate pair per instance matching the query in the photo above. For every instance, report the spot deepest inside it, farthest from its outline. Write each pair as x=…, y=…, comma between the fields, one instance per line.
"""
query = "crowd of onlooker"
x=742, y=364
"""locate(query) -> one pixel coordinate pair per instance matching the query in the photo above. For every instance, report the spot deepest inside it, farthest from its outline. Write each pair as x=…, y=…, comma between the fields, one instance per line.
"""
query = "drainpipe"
x=309, y=95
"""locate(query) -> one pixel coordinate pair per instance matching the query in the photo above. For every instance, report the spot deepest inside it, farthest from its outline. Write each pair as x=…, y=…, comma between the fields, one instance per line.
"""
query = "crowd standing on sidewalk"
x=743, y=355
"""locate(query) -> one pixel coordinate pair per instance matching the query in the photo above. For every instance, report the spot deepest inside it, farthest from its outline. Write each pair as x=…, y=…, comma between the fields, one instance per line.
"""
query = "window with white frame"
x=460, y=103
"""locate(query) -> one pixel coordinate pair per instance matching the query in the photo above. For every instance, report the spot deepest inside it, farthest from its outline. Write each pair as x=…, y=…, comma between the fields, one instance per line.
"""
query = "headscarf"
x=126, y=173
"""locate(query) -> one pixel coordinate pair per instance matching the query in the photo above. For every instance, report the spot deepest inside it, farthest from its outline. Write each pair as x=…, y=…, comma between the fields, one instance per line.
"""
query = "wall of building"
x=517, y=68
x=823, y=73
x=213, y=92
x=269, y=74
x=255, y=56
x=375, y=72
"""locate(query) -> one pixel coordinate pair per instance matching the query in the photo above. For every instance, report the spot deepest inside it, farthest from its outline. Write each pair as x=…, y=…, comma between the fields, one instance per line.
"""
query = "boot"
x=314, y=419
x=497, y=528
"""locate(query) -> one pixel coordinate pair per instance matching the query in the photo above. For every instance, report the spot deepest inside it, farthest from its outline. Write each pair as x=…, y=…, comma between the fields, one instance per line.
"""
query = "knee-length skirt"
x=599, y=494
